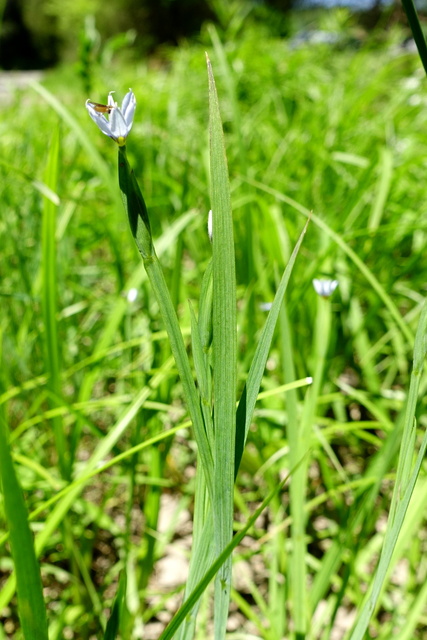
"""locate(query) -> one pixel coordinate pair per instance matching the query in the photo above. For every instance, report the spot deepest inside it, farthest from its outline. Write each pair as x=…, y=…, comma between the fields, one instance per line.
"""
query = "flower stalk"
x=135, y=207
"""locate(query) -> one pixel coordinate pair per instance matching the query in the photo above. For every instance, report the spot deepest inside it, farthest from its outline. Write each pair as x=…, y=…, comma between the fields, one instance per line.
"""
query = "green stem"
x=417, y=32
x=140, y=227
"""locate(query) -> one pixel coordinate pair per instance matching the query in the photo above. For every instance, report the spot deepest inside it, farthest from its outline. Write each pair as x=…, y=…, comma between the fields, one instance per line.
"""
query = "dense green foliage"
x=338, y=130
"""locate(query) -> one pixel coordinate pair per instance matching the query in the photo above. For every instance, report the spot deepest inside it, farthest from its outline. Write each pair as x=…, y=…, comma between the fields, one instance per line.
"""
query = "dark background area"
x=37, y=34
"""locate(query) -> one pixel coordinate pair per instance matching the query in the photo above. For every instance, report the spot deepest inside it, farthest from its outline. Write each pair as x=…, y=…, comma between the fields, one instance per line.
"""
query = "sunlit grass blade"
x=405, y=481
x=50, y=302
x=119, y=603
x=229, y=79
x=385, y=168
x=204, y=330
x=224, y=352
x=250, y=392
x=409, y=429
x=32, y=612
x=390, y=541
x=300, y=460
x=202, y=551
x=202, y=555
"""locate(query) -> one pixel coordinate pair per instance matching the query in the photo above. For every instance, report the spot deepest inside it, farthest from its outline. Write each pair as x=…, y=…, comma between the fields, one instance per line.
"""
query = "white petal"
x=111, y=102
x=325, y=287
x=128, y=108
x=99, y=120
x=119, y=128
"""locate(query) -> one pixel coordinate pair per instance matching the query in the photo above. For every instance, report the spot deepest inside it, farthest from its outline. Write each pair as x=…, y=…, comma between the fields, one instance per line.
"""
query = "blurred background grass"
x=323, y=106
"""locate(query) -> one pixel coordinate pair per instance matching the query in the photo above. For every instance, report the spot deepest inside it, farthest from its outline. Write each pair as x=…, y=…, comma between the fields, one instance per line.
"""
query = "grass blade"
x=224, y=354
x=49, y=301
x=202, y=552
x=113, y=624
x=249, y=396
x=405, y=481
x=32, y=612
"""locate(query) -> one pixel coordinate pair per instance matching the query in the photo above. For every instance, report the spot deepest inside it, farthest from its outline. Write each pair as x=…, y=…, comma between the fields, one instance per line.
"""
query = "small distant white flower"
x=210, y=225
x=265, y=306
x=325, y=288
x=132, y=294
x=119, y=122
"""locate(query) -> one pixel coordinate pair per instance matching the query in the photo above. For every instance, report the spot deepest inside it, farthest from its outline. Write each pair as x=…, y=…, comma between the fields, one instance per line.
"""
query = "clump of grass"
x=304, y=131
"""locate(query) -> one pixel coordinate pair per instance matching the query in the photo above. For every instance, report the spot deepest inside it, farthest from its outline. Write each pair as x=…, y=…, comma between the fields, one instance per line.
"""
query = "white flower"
x=325, y=288
x=210, y=225
x=132, y=294
x=119, y=122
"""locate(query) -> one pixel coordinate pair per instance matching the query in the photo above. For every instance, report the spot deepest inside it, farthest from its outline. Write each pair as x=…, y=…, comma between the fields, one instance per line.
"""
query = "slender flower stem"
x=140, y=227
x=417, y=32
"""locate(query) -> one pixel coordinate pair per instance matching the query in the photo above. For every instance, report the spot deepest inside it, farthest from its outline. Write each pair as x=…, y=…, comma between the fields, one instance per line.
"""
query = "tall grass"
x=98, y=430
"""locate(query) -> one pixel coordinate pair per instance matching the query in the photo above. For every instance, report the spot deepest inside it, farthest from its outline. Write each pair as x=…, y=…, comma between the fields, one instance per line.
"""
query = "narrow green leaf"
x=385, y=169
x=249, y=396
x=202, y=556
x=417, y=31
x=390, y=541
x=405, y=481
x=205, y=309
x=113, y=623
x=32, y=612
x=202, y=551
x=224, y=345
x=202, y=375
x=50, y=302
x=409, y=429
x=120, y=308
